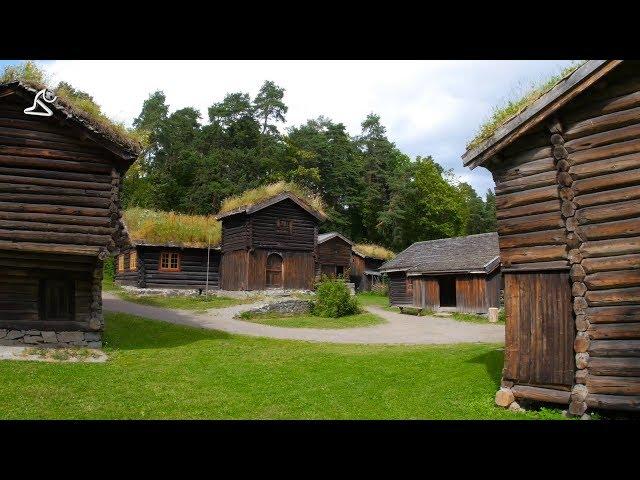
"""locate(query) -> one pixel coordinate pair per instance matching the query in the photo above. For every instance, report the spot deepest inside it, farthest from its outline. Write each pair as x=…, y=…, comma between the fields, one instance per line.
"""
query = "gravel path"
x=399, y=329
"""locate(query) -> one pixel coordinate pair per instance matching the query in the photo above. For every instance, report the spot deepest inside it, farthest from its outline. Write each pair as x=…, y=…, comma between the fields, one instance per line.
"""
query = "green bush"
x=109, y=269
x=333, y=299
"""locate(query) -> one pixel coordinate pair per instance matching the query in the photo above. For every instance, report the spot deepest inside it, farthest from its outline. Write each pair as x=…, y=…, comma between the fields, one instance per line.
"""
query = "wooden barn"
x=170, y=250
x=333, y=257
x=567, y=173
x=366, y=261
x=454, y=274
x=60, y=179
x=269, y=242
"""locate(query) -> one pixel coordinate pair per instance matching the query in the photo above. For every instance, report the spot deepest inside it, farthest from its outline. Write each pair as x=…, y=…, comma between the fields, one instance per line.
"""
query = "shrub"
x=109, y=269
x=333, y=299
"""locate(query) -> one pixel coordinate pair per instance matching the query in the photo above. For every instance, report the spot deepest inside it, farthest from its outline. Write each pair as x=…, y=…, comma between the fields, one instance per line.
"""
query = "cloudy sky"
x=429, y=107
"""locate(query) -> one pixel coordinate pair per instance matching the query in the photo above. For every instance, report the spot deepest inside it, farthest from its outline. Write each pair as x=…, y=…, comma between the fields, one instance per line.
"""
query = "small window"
x=284, y=225
x=133, y=260
x=169, y=262
x=121, y=263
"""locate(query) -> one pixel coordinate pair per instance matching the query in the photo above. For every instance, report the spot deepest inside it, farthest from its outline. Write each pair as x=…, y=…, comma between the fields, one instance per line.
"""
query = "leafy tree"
x=269, y=105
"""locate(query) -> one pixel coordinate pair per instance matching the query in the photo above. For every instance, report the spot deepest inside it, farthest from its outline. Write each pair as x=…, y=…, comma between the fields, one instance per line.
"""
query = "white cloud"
x=428, y=107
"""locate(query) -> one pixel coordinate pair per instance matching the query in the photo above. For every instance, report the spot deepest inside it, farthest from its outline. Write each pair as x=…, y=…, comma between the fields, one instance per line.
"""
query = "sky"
x=428, y=107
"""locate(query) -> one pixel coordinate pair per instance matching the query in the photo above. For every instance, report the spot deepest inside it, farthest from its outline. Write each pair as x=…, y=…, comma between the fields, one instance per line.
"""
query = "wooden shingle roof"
x=473, y=253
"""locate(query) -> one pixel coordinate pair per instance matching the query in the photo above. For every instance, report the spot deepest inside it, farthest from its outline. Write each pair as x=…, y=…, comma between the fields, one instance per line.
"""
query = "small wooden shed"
x=333, y=256
x=567, y=173
x=270, y=243
x=454, y=274
x=366, y=261
x=60, y=182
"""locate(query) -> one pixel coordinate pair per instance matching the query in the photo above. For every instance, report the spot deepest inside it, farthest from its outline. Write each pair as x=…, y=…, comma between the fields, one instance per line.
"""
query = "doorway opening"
x=274, y=271
x=447, y=286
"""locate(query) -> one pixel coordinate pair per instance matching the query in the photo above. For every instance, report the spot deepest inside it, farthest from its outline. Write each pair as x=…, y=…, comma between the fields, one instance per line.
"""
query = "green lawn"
x=311, y=321
x=159, y=370
x=377, y=300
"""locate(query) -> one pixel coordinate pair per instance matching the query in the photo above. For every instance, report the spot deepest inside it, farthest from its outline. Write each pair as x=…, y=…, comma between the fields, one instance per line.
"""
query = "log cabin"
x=567, y=174
x=170, y=251
x=366, y=261
x=333, y=256
x=270, y=242
x=60, y=182
x=450, y=274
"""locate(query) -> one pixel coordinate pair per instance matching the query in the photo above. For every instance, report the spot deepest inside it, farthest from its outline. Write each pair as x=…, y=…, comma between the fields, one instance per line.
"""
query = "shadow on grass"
x=129, y=332
x=493, y=361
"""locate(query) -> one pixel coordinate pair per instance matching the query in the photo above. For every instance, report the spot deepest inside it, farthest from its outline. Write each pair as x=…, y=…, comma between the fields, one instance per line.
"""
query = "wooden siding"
x=234, y=270
x=334, y=252
x=398, y=289
x=235, y=233
x=297, y=269
x=192, y=274
x=539, y=329
x=20, y=289
x=301, y=236
x=426, y=293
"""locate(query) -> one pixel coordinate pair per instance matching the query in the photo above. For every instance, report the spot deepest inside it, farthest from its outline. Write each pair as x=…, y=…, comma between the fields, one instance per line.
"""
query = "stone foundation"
x=241, y=294
x=50, y=339
x=286, y=306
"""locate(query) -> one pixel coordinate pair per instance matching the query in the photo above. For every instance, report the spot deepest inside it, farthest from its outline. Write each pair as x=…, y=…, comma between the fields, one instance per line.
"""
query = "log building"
x=270, y=244
x=567, y=173
x=365, y=269
x=60, y=179
x=453, y=274
x=333, y=255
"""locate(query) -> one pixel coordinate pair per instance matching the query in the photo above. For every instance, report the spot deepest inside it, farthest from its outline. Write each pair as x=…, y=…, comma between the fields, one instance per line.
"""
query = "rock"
x=94, y=344
x=32, y=332
x=493, y=315
x=49, y=337
x=514, y=407
x=504, y=397
x=585, y=416
x=3, y=332
x=93, y=336
x=32, y=339
x=579, y=393
x=70, y=337
x=13, y=334
x=286, y=306
x=577, y=408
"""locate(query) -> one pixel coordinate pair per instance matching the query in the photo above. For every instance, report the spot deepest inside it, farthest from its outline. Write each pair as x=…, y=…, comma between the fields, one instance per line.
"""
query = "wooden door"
x=274, y=270
x=57, y=300
x=539, y=329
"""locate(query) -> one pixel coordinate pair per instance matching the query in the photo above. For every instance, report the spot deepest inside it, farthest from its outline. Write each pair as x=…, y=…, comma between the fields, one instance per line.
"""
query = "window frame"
x=121, y=263
x=284, y=225
x=169, y=262
x=133, y=260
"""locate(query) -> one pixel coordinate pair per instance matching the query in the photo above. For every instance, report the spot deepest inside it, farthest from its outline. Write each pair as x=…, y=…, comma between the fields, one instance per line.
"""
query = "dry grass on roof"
x=373, y=251
x=515, y=106
x=156, y=227
x=264, y=193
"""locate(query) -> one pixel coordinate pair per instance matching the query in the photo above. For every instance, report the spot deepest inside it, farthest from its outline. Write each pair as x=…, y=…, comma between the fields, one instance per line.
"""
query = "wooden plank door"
x=539, y=330
x=274, y=271
x=57, y=300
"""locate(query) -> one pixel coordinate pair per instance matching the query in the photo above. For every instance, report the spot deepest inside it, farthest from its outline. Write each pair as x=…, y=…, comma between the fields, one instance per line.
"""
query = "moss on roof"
x=373, y=251
x=264, y=193
x=156, y=227
x=29, y=75
x=515, y=106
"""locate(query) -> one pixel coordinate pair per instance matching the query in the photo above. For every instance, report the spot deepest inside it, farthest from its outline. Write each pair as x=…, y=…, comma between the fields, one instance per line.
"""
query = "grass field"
x=158, y=370
x=311, y=321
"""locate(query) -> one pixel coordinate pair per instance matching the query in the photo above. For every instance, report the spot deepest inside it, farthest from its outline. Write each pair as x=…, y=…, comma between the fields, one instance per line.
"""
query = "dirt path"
x=399, y=329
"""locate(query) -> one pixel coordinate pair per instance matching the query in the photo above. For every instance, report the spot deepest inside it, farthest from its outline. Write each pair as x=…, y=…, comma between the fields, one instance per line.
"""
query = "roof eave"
x=559, y=95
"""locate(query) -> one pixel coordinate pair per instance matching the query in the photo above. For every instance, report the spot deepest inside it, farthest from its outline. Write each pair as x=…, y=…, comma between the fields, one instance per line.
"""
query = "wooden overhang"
x=249, y=209
x=81, y=124
x=540, y=110
x=325, y=237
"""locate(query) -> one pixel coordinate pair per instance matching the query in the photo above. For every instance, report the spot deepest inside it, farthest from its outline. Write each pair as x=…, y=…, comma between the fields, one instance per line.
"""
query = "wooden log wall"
x=398, y=294
x=56, y=187
x=297, y=269
x=598, y=148
x=301, y=236
x=334, y=252
x=20, y=283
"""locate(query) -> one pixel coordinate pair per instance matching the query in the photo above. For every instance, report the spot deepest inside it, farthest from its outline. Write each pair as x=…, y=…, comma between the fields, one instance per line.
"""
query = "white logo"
x=45, y=95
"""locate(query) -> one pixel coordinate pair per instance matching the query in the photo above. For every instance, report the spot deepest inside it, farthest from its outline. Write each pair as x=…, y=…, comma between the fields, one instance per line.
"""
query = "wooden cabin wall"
x=471, y=294
x=301, y=236
x=55, y=187
x=193, y=268
x=426, y=292
x=598, y=150
x=398, y=294
x=493, y=286
x=334, y=252
x=128, y=277
x=234, y=270
x=297, y=269
x=567, y=196
x=20, y=292
x=235, y=233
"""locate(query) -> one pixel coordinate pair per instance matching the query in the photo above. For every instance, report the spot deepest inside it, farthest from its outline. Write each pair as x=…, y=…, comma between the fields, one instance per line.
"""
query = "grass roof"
x=515, y=105
x=77, y=103
x=264, y=193
x=156, y=227
x=373, y=251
